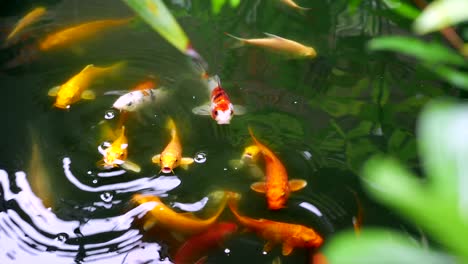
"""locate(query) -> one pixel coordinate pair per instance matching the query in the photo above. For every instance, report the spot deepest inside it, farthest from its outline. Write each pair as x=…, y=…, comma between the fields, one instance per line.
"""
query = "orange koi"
x=80, y=32
x=289, y=235
x=280, y=45
x=76, y=87
x=276, y=185
x=181, y=223
x=28, y=19
x=171, y=157
x=197, y=246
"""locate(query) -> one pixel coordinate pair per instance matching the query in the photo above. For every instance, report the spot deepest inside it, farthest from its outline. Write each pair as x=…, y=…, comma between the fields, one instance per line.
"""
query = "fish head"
x=168, y=162
x=126, y=102
x=223, y=115
x=310, y=53
x=310, y=238
x=115, y=154
x=276, y=198
x=251, y=152
x=65, y=97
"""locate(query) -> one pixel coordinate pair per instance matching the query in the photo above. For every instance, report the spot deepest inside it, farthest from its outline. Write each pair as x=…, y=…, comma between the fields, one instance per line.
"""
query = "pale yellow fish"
x=28, y=19
x=295, y=6
x=79, y=32
x=280, y=45
x=76, y=87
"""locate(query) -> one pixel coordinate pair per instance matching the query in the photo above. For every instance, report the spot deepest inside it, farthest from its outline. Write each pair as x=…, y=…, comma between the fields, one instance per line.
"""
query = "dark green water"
x=323, y=117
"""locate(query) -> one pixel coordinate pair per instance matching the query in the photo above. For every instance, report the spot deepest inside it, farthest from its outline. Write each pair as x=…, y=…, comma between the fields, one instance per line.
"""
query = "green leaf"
x=216, y=5
x=235, y=3
x=402, y=9
x=432, y=52
x=380, y=246
x=441, y=14
x=353, y=5
x=156, y=14
x=451, y=75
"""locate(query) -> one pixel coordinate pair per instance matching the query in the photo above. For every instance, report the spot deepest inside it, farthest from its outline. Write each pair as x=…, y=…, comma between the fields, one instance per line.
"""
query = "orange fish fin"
x=128, y=165
x=297, y=184
x=268, y=246
x=146, y=85
x=259, y=187
x=156, y=158
x=186, y=161
x=88, y=95
x=149, y=223
x=287, y=248
x=204, y=110
x=53, y=91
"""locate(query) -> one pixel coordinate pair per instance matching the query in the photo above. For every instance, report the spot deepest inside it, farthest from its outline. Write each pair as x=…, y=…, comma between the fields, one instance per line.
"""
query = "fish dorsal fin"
x=88, y=95
x=146, y=85
x=54, y=91
x=239, y=110
x=202, y=110
x=297, y=184
x=156, y=158
x=287, y=248
x=259, y=187
x=273, y=36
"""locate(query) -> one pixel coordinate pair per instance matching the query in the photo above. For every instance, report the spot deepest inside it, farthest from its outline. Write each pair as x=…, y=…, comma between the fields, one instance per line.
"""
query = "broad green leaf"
x=353, y=5
x=380, y=246
x=235, y=3
x=432, y=52
x=216, y=5
x=156, y=14
x=451, y=75
x=441, y=14
x=402, y=8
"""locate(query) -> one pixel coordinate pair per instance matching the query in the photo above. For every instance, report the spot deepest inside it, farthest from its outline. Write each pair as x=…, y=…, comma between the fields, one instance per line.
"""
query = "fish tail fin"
x=213, y=82
x=303, y=11
x=240, y=41
x=233, y=199
x=253, y=137
x=171, y=126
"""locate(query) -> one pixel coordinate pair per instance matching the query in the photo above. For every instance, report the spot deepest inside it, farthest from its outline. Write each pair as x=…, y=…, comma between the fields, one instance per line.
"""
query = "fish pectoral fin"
x=186, y=161
x=149, y=223
x=268, y=246
x=287, y=248
x=54, y=91
x=239, y=110
x=202, y=110
x=156, y=158
x=88, y=95
x=128, y=165
x=259, y=187
x=297, y=184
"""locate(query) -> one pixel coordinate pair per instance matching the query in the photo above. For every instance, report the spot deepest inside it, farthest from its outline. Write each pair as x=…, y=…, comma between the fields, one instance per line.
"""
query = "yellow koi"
x=115, y=154
x=28, y=19
x=77, y=33
x=75, y=88
x=171, y=157
x=280, y=45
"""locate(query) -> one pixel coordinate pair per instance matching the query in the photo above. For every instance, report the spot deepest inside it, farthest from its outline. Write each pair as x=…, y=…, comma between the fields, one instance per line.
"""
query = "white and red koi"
x=220, y=108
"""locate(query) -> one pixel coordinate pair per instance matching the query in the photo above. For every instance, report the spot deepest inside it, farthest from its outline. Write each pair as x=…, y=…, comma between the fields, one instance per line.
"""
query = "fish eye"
x=216, y=113
x=129, y=103
x=232, y=112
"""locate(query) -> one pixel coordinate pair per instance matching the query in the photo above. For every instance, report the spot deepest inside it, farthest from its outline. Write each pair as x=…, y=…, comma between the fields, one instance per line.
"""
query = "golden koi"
x=115, y=154
x=76, y=87
x=276, y=185
x=289, y=235
x=77, y=33
x=28, y=19
x=280, y=45
x=171, y=157
x=181, y=223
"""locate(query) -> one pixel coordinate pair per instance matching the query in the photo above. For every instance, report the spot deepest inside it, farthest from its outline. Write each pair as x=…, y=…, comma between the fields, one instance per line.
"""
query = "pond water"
x=322, y=117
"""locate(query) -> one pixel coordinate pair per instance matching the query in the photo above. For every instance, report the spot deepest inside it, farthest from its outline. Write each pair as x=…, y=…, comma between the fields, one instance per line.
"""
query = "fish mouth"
x=166, y=170
x=62, y=106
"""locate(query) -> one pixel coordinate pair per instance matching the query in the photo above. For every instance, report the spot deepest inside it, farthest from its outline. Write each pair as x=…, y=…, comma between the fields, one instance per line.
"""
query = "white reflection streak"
x=311, y=208
x=160, y=185
x=191, y=207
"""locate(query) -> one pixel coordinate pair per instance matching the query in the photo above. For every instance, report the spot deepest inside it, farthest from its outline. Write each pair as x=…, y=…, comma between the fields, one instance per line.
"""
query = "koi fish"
x=276, y=185
x=156, y=14
x=143, y=94
x=289, y=235
x=115, y=154
x=295, y=6
x=181, y=223
x=76, y=87
x=80, y=32
x=171, y=157
x=197, y=246
x=220, y=108
x=28, y=19
x=248, y=159
x=280, y=45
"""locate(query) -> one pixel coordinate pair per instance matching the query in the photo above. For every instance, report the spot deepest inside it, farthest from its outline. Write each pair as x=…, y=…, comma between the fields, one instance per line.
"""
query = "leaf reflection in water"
x=30, y=232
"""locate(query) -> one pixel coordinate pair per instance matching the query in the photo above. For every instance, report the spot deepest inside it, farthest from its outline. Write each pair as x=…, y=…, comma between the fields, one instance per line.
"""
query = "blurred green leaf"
x=380, y=246
x=402, y=8
x=217, y=5
x=353, y=5
x=432, y=52
x=457, y=78
x=440, y=14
